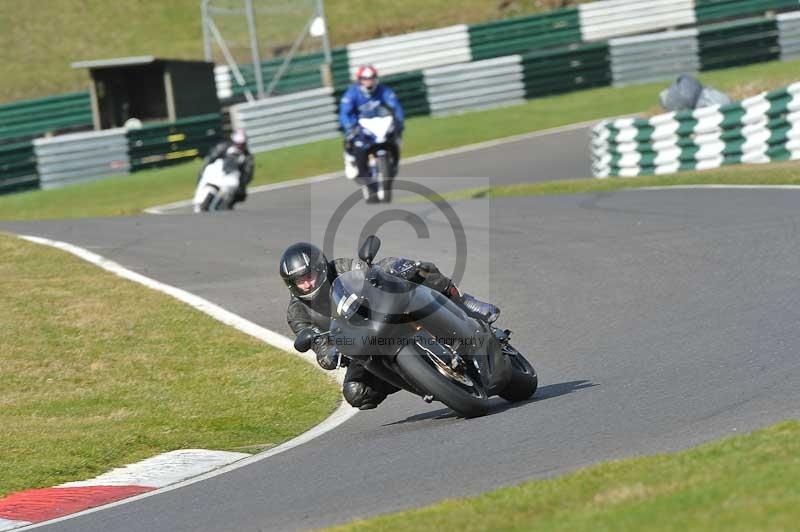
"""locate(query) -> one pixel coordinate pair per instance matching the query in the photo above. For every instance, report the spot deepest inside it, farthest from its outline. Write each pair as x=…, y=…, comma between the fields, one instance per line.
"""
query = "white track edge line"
x=719, y=186
x=161, y=209
x=339, y=416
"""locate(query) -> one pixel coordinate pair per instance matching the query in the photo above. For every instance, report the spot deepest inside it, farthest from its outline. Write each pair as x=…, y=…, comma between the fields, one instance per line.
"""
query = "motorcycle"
x=379, y=137
x=418, y=340
x=218, y=184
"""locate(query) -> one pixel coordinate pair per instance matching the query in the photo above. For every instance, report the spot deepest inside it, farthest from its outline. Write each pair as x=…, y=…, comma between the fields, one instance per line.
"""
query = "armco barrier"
x=654, y=57
x=29, y=118
x=760, y=129
x=789, y=35
x=566, y=69
x=79, y=157
x=475, y=85
x=738, y=43
x=17, y=167
x=714, y=10
x=287, y=120
x=612, y=18
x=156, y=145
x=524, y=34
x=412, y=51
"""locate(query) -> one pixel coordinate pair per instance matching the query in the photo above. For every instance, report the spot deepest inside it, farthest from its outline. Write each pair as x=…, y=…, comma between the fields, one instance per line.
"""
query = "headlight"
x=348, y=306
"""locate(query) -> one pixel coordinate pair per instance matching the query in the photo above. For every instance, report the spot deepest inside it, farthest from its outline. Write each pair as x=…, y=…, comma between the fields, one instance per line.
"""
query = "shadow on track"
x=499, y=405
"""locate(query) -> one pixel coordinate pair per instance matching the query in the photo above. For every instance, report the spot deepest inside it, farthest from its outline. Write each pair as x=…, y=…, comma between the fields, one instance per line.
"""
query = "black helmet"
x=301, y=260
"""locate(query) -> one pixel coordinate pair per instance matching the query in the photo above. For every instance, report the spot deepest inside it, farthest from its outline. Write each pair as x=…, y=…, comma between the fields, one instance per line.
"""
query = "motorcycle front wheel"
x=384, y=179
x=429, y=374
x=524, y=381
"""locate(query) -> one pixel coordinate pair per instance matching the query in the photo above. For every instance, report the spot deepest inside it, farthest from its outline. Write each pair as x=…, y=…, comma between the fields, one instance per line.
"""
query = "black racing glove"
x=328, y=357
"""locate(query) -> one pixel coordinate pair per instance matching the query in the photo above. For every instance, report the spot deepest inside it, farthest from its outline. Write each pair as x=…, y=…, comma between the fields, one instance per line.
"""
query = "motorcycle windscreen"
x=371, y=294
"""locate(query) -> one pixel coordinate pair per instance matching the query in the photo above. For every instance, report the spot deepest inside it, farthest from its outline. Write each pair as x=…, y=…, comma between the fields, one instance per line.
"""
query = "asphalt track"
x=657, y=320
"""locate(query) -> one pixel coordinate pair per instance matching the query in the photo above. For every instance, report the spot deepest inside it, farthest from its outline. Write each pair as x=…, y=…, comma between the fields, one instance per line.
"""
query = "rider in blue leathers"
x=362, y=98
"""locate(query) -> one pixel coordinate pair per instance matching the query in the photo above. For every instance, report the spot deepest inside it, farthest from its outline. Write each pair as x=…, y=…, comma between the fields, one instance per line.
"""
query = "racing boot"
x=370, y=192
x=474, y=307
x=350, y=166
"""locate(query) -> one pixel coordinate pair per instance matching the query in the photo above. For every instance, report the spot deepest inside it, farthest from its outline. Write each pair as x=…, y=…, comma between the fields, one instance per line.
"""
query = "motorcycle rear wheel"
x=524, y=381
x=426, y=377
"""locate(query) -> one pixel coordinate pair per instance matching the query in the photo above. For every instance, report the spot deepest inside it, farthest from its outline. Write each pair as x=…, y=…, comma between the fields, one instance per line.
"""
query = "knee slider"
x=358, y=394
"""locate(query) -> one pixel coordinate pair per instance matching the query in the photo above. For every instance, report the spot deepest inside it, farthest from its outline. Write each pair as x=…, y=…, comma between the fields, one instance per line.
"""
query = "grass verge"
x=785, y=173
x=97, y=372
x=749, y=482
x=131, y=194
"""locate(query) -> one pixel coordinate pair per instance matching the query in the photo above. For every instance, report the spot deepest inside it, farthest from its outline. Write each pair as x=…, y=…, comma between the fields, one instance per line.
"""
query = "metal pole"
x=251, y=25
x=285, y=64
x=204, y=21
x=326, y=44
x=229, y=59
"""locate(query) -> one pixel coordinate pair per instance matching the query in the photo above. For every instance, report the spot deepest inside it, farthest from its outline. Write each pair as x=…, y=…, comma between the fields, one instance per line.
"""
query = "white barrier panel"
x=654, y=57
x=224, y=81
x=612, y=18
x=79, y=157
x=476, y=85
x=789, y=35
x=287, y=120
x=413, y=51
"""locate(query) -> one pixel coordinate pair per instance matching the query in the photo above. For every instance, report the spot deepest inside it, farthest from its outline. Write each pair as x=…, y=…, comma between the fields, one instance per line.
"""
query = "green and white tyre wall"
x=647, y=58
x=761, y=129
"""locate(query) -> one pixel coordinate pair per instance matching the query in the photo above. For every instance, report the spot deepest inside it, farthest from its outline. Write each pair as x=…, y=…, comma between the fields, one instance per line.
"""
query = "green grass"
x=35, y=64
x=97, y=372
x=744, y=483
x=785, y=173
x=131, y=194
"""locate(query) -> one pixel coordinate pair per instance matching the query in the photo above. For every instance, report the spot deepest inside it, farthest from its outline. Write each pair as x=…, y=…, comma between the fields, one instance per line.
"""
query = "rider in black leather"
x=308, y=275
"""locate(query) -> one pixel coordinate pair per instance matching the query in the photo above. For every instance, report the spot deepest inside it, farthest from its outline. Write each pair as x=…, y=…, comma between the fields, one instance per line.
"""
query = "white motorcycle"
x=218, y=185
x=378, y=137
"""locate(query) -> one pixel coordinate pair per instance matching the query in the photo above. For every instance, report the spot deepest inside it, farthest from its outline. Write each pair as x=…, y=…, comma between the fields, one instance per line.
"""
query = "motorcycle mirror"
x=369, y=249
x=305, y=339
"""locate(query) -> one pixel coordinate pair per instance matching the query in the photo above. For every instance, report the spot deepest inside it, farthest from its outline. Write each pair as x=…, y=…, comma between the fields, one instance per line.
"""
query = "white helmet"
x=239, y=137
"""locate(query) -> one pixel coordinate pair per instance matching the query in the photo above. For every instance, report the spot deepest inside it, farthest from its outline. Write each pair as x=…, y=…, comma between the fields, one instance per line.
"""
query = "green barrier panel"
x=303, y=73
x=29, y=118
x=18, y=167
x=524, y=34
x=738, y=43
x=566, y=69
x=164, y=144
x=714, y=10
x=340, y=69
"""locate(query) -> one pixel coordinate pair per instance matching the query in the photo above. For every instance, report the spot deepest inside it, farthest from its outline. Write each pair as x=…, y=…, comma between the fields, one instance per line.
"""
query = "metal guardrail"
x=760, y=129
x=165, y=144
x=476, y=85
x=28, y=118
x=412, y=51
x=287, y=120
x=524, y=34
x=17, y=167
x=789, y=35
x=80, y=157
x=654, y=57
x=715, y=10
x=742, y=42
x=566, y=69
x=612, y=18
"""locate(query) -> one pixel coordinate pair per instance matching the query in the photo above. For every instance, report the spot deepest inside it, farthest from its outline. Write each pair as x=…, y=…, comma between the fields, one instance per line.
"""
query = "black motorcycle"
x=420, y=341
